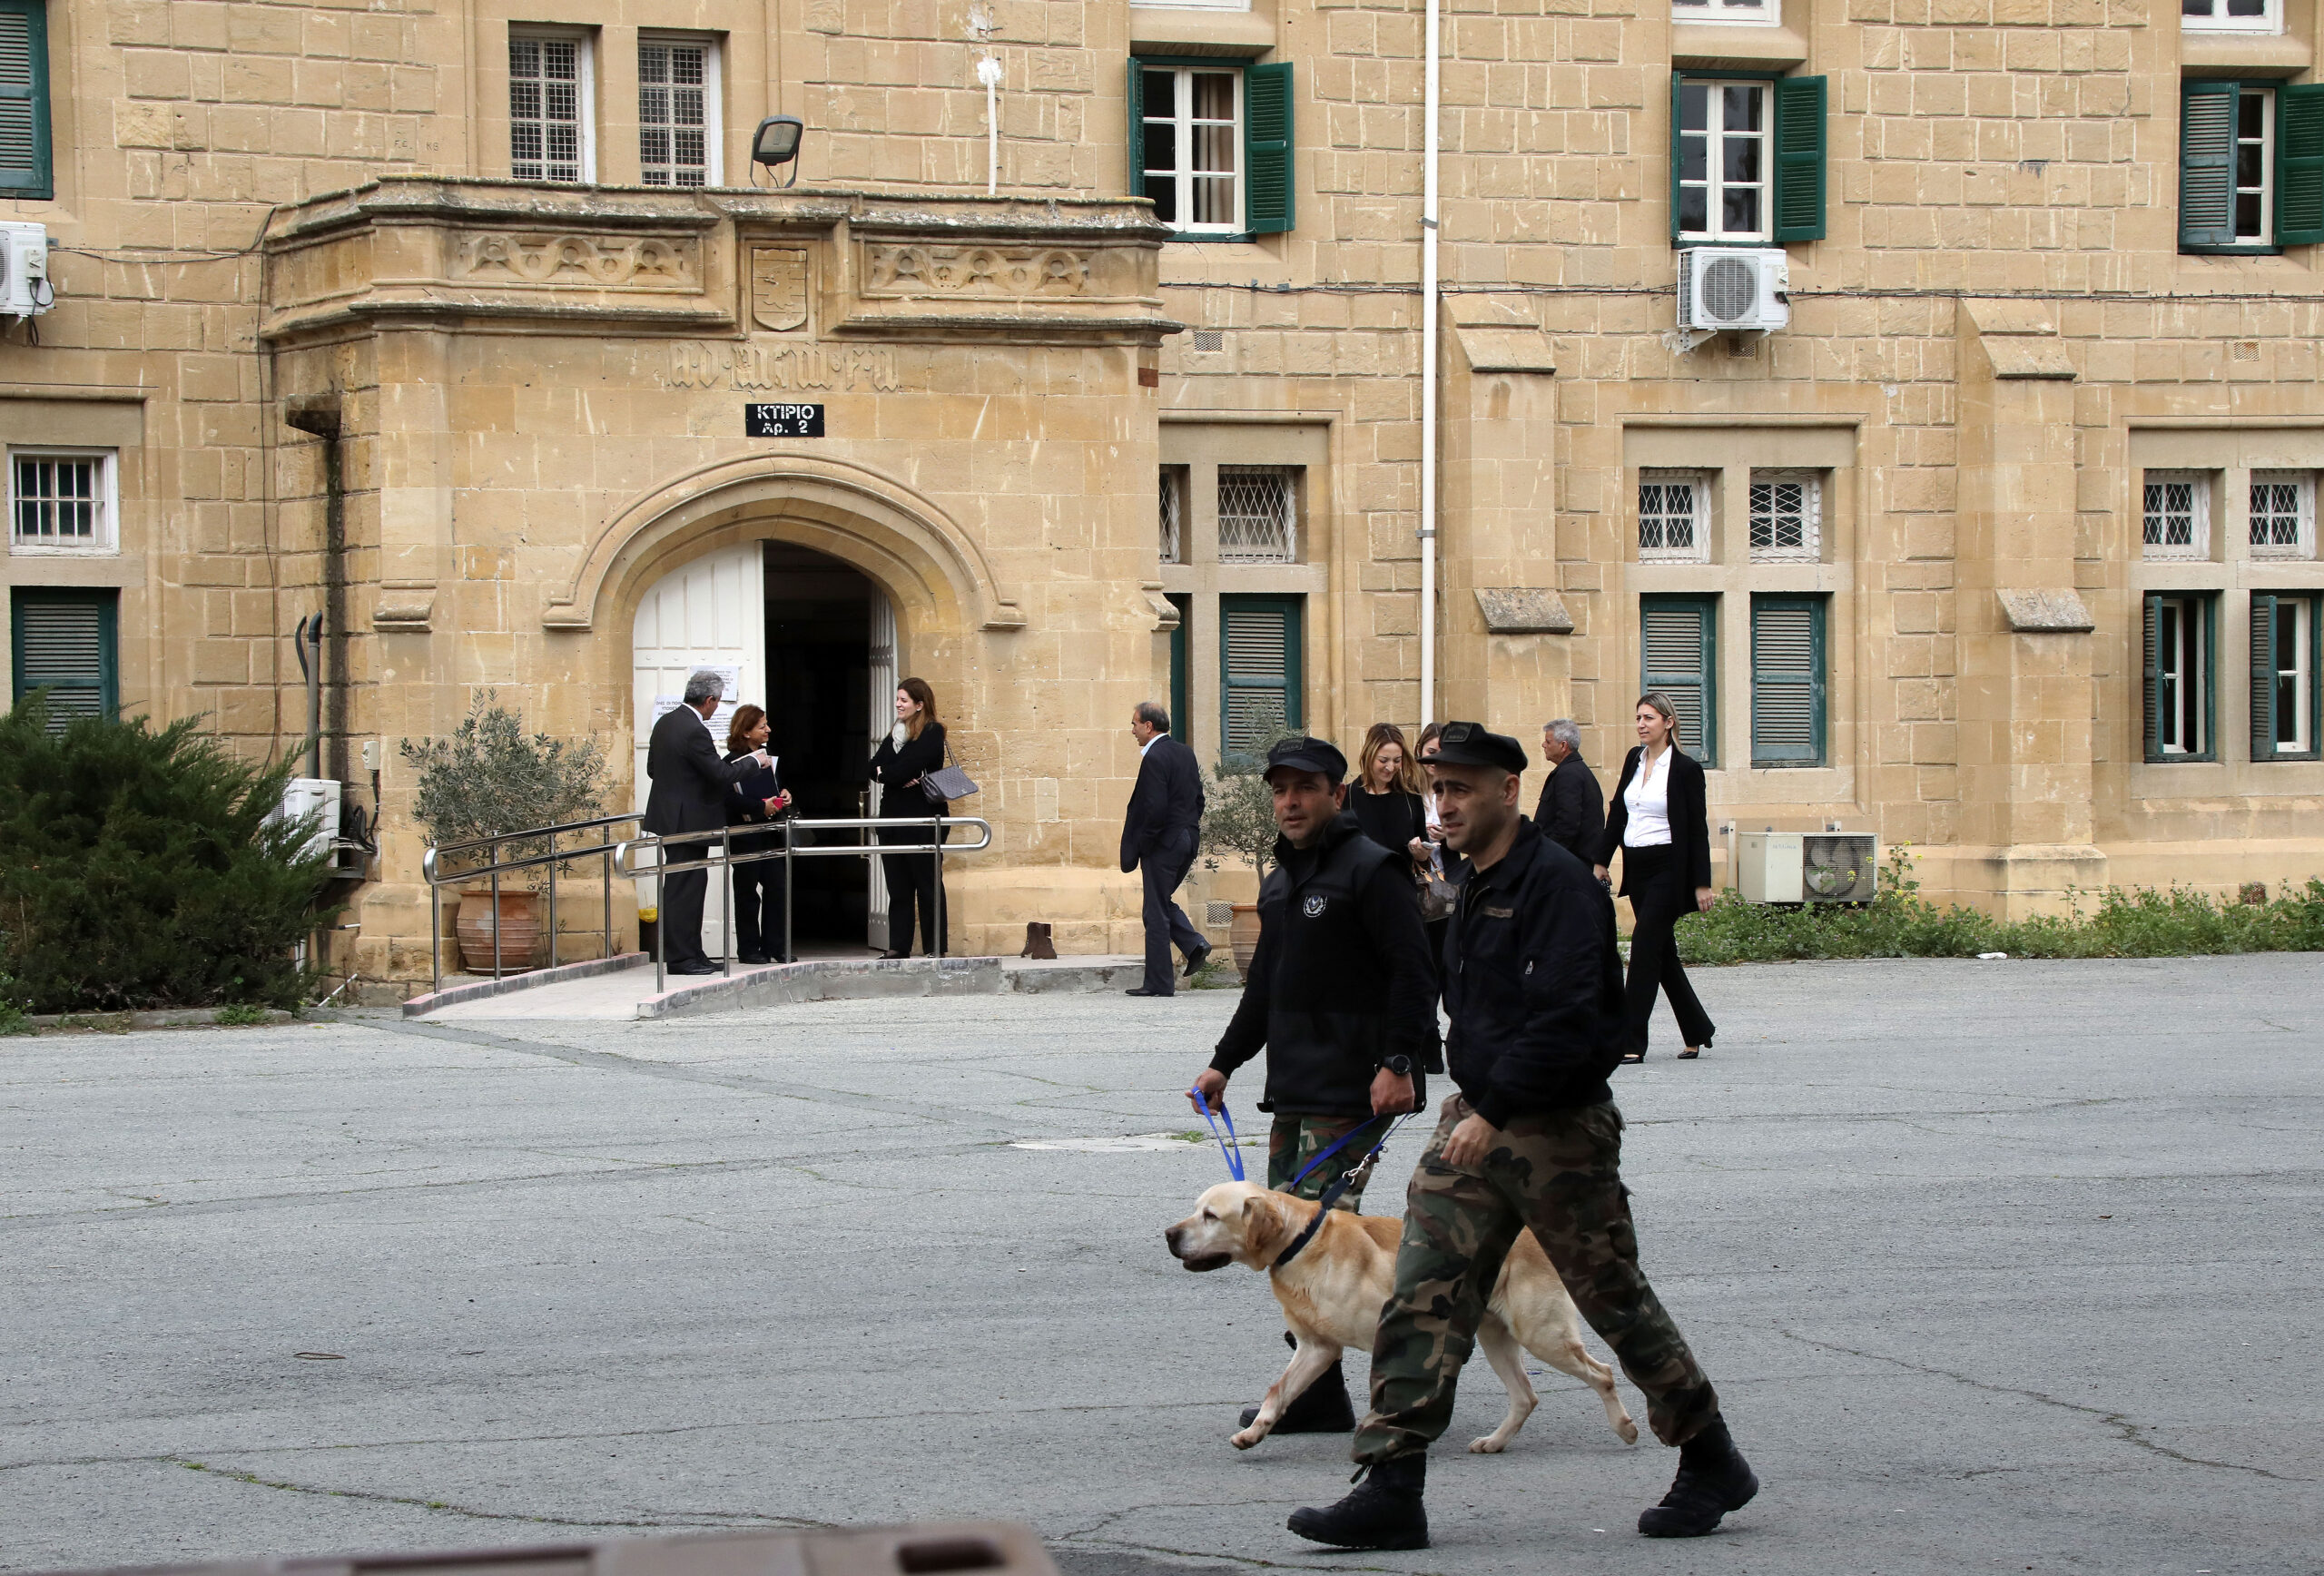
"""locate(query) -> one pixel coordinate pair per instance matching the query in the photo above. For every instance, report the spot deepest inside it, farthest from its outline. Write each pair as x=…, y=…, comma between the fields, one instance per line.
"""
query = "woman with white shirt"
x=1660, y=819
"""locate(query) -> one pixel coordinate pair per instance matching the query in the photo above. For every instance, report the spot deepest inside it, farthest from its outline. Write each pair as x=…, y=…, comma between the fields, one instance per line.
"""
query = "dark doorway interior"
x=818, y=662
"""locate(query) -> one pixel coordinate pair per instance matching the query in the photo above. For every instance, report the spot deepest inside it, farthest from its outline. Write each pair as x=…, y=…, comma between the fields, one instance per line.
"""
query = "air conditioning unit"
x=318, y=797
x=1808, y=867
x=24, y=290
x=1724, y=287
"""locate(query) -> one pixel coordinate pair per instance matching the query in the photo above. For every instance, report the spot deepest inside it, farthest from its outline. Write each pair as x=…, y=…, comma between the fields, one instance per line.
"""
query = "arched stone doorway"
x=811, y=639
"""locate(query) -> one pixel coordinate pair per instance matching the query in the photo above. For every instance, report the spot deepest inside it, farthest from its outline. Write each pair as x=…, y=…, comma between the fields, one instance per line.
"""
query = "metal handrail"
x=491, y=870
x=624, y=862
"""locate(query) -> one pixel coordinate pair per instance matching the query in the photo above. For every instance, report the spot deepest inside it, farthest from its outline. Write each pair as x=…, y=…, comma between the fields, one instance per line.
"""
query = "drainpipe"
x=321, y=416
x=989, y=74
x=1428, y=384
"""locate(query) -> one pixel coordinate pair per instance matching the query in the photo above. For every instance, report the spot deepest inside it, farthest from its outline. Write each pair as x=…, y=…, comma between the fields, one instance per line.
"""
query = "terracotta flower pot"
x=520, y=927
x=1243, y=936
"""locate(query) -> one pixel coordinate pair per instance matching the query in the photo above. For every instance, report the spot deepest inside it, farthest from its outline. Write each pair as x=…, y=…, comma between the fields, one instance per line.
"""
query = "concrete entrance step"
x=623, y=988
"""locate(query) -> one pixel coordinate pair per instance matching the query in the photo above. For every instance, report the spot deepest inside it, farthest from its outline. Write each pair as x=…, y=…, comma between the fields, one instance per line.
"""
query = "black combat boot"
x=1713, y=1479
x=1322, y=1408
x=1383, y=1512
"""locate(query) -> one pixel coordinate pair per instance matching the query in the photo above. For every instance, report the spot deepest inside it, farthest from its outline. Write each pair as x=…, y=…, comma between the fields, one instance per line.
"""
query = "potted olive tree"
x=491, y=778
x=1238, y=823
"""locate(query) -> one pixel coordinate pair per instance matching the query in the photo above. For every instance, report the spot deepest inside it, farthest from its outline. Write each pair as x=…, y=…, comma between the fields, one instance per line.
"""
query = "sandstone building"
x=440, y=320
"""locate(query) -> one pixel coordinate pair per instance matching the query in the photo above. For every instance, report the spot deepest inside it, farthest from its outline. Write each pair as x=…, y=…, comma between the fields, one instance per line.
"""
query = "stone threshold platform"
x=623, y=987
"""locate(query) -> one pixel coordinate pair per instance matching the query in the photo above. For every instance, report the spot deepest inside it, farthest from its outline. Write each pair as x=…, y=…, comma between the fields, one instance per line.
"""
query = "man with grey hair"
x=689, y=795
x=1572, y=811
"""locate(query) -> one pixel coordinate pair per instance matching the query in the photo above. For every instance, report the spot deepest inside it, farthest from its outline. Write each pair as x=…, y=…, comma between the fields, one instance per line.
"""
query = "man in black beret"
x=1341, y=997
x=1533, y=987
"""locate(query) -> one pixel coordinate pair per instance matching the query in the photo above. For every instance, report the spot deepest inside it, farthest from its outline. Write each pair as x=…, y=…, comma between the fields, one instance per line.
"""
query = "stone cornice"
x=435, y=250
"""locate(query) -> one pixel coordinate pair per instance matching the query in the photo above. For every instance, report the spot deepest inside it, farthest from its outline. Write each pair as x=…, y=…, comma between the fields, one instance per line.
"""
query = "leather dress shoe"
x=704, y=967
x=1196, y=959
x=754, y=959
x=1142, y=990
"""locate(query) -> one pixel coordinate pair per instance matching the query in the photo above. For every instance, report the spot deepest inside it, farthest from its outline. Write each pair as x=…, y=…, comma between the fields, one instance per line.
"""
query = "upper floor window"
x=677, y=112
x=1786, y=515
x=2283, y=514
x=1765, y=12
x=549, y=112
x=23, y=100
x=1173, y=514
x=2177, y=638
x=2250, y=166
x=1258, y=513
x=2232, y=15
x=1211, y=145
x=62, y=501
x=2177, y=514
x=1747, y=159
x=1673, y=515
x=2284, y=652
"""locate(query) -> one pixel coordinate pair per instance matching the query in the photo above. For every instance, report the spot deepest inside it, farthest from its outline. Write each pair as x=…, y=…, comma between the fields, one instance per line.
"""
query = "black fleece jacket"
x=1340, y=982
x=1533, y=983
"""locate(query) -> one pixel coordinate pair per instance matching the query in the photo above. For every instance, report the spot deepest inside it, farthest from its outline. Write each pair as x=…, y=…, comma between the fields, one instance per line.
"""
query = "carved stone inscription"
x=858, y=368
x=778, y=287
x=1003, y=272
x=509, y=258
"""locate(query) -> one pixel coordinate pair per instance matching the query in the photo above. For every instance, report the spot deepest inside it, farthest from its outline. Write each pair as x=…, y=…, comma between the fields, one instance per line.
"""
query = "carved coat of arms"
x=778, y=287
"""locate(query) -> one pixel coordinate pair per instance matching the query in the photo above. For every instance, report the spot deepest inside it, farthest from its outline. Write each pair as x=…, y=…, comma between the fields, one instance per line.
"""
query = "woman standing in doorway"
x=757, y=800
x=914, y=748
x=1660, y=821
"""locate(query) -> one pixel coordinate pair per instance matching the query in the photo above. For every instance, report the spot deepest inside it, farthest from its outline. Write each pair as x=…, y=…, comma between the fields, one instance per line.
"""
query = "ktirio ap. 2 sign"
x=783, y=421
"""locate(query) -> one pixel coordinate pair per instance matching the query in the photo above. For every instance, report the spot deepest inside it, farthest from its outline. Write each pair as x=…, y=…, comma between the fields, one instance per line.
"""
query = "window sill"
x=2231, y=251
x=1689, y=242
x=2223, y=52
x=1206, y=238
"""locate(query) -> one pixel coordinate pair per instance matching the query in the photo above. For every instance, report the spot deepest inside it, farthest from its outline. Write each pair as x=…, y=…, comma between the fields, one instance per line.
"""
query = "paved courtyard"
x=2001, y=1267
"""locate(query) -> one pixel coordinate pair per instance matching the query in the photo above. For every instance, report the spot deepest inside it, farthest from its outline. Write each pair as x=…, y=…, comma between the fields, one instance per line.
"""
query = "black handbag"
x=948, y=782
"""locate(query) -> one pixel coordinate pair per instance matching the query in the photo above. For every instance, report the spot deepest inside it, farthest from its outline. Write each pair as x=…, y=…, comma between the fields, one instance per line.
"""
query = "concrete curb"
x=531, y=979
x=850, y=980
x=165, y=1018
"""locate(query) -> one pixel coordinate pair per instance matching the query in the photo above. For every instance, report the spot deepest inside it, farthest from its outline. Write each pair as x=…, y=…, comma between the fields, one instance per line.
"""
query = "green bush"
x=137, y=869
x=2128, y=923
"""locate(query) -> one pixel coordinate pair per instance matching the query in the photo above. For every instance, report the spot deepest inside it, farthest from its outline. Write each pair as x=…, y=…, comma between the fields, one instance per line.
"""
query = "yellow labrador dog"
x=1332, y=1295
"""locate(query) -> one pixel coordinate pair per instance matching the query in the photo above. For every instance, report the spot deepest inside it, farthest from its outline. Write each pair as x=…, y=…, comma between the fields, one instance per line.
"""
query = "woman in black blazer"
x=916, y=747
x=1659, y=819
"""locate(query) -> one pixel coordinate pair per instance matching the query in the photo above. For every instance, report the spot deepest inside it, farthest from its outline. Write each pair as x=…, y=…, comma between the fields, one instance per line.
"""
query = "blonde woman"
x=1387, y=796
x=1660, y=822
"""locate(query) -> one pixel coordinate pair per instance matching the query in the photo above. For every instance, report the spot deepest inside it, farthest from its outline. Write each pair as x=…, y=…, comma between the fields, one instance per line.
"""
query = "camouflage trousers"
x=1558, y=1172
x=1293, y=1141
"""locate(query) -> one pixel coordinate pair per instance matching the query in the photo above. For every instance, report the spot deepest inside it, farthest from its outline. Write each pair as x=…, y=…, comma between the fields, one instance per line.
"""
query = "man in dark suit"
x=689, y=795
x=1572, y=812
x=1158, y=838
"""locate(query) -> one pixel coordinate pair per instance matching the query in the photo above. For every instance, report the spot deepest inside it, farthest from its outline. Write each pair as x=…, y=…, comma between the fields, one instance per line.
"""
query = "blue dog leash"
x=1331, y=1194
x=1234, y=1152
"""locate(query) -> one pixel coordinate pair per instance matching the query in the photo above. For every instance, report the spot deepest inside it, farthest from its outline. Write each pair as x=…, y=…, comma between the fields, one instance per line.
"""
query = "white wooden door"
x=882, y=701
x=712, y=613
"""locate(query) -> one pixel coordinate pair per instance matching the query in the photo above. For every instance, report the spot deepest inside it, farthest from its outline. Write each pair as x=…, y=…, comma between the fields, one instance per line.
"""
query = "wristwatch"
x=1402, y=1065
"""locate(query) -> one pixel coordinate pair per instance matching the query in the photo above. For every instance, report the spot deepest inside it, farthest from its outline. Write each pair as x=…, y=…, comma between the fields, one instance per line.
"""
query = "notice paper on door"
x=719, y=719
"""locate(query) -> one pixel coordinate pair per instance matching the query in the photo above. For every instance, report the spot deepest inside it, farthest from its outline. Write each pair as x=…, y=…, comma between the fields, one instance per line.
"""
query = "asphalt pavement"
x=1998, y=1267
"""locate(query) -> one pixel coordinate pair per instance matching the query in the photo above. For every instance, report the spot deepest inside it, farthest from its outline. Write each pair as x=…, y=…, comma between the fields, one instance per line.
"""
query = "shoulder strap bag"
x=948, y=782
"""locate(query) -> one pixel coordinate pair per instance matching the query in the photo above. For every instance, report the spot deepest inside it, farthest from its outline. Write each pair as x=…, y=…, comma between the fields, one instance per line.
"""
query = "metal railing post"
x=660, y=918
x=790, y=870
x=726, y=900
x=943, y=936
x=435, y=936
x=553, y=957
x=495, y=911
x=607, y=949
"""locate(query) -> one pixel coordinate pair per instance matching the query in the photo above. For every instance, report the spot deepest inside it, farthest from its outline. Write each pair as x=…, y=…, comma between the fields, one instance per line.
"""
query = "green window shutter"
x=2206, y=165
x=1678, y=81
x=1787, y=681
x=1678, y=640
x=66, y=642
x=2263, y=677
x=1182, y=726
x=1134, y=119
x=1258, y=640
x=23, y=99
x=1800, y=158
x=1267, y=194
x=2299, y=165
x=2152, y=686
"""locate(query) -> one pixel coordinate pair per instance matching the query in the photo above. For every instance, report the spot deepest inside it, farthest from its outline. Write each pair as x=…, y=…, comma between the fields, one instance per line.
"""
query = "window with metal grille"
x=1673, y=515
x=2178, y=641
x=2284, y=651
x=2177, y=514
x=677, y=112
x=2283, y=514
x=1786, y=515
x=61, y=502
x=63, y=642
x=1260, y=658
x=1788, y=681
x=1173, y=514
x=548, y=105
x=1258, y=507
x=1678, y=656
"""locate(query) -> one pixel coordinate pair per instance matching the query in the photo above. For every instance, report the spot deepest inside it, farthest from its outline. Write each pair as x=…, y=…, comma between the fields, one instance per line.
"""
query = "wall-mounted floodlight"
x=776, y=144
